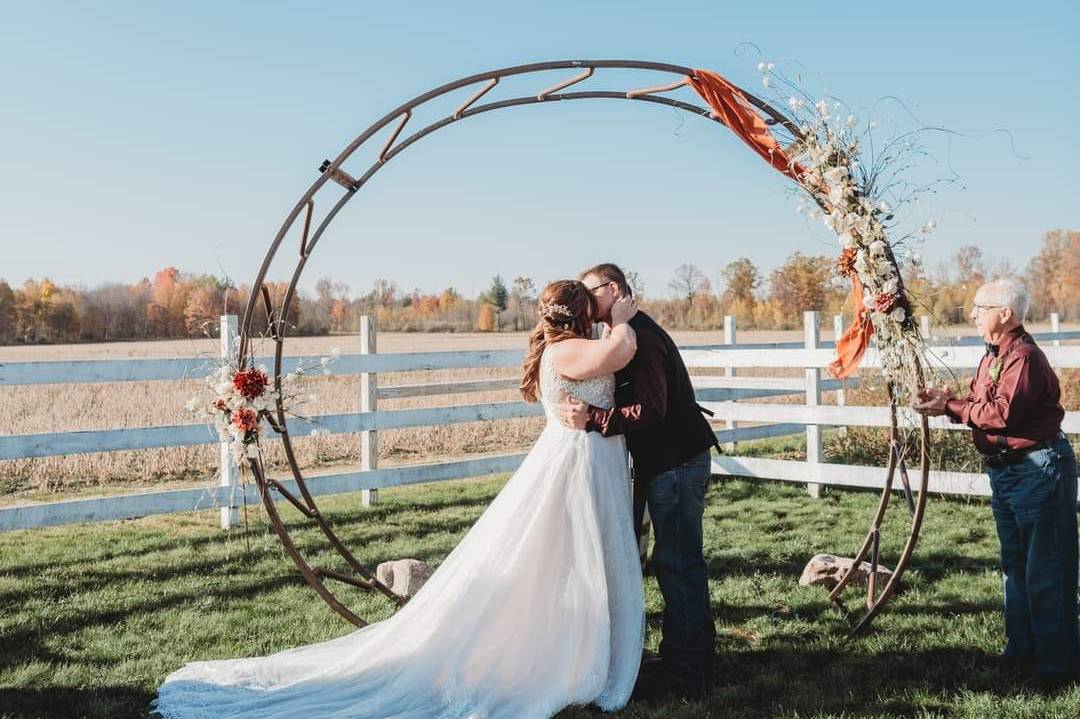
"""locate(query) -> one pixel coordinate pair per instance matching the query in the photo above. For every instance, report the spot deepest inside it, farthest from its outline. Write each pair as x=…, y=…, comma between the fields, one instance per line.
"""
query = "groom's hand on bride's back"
x=573, y=413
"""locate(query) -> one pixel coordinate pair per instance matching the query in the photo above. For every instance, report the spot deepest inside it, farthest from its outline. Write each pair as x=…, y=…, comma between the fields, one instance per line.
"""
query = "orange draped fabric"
x=851, y=346
x=729, y=104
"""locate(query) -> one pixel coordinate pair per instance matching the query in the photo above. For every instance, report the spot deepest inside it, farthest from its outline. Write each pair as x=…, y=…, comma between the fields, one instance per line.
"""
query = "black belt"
x=1011, y=456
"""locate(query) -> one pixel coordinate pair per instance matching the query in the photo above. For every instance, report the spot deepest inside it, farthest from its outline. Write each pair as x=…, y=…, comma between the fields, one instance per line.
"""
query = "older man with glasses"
x=1014, y=410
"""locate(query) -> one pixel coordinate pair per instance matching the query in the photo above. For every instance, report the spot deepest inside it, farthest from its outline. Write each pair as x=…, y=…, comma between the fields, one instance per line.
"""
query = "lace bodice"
x=598, y=391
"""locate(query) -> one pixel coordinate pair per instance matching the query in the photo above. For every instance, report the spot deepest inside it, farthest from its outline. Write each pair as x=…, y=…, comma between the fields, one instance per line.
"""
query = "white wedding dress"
x=539, y=607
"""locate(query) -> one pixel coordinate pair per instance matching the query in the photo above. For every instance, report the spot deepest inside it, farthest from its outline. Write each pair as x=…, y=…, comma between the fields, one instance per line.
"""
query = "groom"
x=670, y=442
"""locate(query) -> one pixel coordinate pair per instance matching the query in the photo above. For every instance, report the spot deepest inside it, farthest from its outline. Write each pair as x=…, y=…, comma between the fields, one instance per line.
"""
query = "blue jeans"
x=1034, y=504
x=676, y=506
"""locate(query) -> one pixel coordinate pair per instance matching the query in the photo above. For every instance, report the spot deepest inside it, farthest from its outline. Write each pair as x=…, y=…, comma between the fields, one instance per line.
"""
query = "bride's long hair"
x=566, y=309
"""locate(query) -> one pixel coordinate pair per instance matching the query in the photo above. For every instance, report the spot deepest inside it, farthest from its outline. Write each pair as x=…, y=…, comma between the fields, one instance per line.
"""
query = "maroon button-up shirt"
x=1015, y=399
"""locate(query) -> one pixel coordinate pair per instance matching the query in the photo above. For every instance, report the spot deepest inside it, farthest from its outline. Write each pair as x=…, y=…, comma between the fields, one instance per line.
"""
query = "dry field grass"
x=55, y=408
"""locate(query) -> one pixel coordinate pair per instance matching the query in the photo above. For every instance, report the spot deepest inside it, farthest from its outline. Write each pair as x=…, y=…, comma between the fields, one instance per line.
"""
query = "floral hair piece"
x=555, y=312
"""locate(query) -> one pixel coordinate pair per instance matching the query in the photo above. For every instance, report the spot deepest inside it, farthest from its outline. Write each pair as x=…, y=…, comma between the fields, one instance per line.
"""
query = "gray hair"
x=1010, y=292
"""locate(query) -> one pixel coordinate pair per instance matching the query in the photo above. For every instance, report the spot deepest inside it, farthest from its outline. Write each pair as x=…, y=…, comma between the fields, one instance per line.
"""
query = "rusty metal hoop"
x=333, y=170
x=899, y=453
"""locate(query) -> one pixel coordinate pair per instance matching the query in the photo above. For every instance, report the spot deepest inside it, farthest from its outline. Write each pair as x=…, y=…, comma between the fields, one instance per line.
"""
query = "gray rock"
x=404, y=576
x=826, y=570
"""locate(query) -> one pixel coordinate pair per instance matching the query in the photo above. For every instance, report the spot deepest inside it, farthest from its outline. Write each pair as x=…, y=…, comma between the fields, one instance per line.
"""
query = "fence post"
x=729, y=339
x=1055, y=326
x=228, y=471
x=811, y=340
x=924, y=327
x=369, y=440
x=841, y=396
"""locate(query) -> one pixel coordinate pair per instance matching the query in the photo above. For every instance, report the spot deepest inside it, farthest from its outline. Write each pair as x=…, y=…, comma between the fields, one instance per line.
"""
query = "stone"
x=826, y=570
x=404, y=576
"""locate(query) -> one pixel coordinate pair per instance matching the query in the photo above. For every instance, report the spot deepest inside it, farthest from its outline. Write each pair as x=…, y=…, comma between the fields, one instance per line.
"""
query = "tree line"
x=173, y=304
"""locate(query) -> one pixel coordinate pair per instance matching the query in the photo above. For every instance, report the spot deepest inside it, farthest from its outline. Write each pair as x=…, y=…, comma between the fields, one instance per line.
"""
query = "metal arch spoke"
x=291, y=498
x=631, y=94
x=307, y=229
x=405, y=117
x=585, y=75
x=475, y=96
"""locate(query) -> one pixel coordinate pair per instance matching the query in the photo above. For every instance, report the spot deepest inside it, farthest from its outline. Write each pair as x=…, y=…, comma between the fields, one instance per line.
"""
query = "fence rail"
x=720, y=394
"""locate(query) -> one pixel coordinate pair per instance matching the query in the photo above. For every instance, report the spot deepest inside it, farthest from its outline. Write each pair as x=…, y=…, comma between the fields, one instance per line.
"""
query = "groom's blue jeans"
x=676, y=506
x=1034, y=503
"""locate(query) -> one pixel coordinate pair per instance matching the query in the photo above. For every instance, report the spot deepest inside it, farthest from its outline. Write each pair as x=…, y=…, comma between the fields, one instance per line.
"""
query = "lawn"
x=94, y=616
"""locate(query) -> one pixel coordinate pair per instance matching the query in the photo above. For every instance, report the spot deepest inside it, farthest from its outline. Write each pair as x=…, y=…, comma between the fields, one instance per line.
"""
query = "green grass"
x=93, y=617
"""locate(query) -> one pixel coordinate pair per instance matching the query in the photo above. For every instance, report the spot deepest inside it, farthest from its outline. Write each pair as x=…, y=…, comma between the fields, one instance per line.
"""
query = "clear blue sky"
x=136, y=135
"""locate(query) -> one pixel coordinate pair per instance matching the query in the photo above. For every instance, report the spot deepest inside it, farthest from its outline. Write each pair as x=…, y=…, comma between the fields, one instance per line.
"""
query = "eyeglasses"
x=983, y=309
x=594, y=288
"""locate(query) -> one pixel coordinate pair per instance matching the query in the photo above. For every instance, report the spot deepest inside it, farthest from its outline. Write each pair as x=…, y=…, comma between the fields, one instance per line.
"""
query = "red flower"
x=885, y=302
x=246, y=419
x=220, y=405
x=250, y=382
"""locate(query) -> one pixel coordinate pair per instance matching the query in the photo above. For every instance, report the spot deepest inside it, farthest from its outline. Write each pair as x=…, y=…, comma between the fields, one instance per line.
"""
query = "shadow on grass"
x=237, y=577
x=354, y=523
x=933, y=565
x=30, y=642
x=792, y=681
x=67, y=702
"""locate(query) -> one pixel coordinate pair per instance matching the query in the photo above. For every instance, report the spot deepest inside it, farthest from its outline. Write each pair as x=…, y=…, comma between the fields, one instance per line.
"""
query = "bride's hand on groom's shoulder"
x=623, y=310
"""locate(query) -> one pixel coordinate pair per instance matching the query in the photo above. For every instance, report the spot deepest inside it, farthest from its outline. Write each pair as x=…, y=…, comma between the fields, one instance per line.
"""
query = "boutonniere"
x=995, y=371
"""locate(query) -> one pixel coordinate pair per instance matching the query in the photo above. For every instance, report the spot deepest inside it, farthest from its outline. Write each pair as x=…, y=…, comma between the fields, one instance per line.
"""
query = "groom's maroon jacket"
x=654, y=406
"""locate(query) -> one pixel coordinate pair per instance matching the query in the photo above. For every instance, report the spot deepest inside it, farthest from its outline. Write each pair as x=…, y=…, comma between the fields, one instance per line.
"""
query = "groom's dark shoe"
x=656, y=681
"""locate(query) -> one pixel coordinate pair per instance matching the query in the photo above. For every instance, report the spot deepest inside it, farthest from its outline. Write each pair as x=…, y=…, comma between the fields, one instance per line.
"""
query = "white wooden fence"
x=718, y=393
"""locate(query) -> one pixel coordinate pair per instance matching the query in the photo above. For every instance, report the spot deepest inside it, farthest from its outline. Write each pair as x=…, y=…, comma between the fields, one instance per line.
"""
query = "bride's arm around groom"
x=581, y=359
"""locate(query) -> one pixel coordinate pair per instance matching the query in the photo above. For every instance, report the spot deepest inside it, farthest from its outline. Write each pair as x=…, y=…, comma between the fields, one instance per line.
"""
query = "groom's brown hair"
x=609, y=273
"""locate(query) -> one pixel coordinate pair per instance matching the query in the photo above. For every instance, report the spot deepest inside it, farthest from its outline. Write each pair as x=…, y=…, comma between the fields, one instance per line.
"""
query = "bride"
x=539, y=606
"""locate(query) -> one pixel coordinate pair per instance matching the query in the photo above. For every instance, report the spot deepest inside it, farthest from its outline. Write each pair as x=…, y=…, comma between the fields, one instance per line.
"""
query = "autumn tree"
x=637, y=286
x=970, y=267
x=801, y=283
x=1052, y=275
x=522, y=303
x=485, y=320
x=62, y=321
x=1067, y=299
x=7, y=313
x=705, y=311
x=383, y=292
x=686, y=282
x=448, y=298
x=165, y=314
x=741, y=282
x=200, y=313
x=322, y=304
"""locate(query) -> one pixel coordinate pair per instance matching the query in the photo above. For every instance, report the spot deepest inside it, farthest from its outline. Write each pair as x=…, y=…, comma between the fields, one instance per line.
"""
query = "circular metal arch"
x=333, y=174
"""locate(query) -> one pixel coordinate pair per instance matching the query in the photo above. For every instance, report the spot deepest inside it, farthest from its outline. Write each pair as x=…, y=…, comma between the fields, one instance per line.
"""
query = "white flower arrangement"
x=827, y=158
